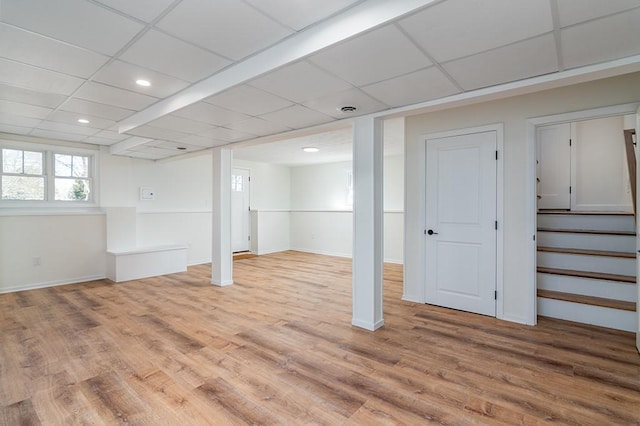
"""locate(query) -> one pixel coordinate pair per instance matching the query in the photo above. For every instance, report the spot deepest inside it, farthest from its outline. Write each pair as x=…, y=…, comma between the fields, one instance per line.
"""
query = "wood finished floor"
x=277, y=348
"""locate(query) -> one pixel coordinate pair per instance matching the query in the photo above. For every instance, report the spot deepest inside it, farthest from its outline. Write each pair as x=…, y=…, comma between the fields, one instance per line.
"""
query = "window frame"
x=48, y=173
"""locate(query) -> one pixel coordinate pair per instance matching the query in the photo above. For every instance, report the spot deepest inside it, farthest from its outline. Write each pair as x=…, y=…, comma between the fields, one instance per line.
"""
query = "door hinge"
x=569, y=142
x=249, y=238
x=496, y=225
x=496, y=154
x=249, y=178
x=425, y=232
x=534, y=238
x=495, y=295
x=569, y=190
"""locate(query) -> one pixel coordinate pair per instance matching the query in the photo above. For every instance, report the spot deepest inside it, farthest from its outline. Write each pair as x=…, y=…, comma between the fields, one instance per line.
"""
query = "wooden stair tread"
x=588, y=300
x=567, y=212
x=587, y=231
x=587, y=274
x=605, y=253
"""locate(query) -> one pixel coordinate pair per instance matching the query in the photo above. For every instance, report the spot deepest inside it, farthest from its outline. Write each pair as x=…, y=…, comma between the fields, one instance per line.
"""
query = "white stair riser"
x=579, y=262
x=588, y=314
x=623, y=243
x=593, y=222
x=588, y=287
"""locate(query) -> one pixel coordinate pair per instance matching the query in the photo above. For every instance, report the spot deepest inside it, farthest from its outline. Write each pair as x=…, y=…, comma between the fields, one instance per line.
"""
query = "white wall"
x=601, y=175
x=513, y=112
x=321, y=219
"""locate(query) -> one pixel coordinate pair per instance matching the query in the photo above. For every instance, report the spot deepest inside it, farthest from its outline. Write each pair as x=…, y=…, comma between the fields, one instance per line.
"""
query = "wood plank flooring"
x=277, y=347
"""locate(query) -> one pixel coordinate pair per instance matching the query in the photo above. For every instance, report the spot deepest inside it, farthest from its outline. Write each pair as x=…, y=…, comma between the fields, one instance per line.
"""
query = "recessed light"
x=310, y=149
x=145, y=83
x=83, y=121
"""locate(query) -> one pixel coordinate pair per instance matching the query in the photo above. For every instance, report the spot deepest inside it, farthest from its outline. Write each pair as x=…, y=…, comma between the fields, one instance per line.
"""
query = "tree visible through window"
x=31, y=175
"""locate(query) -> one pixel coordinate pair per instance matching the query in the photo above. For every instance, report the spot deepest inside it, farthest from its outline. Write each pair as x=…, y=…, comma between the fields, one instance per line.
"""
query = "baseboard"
x=55, y=283
x=278, y=250
x=368, y=325
x=222, y=283
x=322, y=252
x=408, y=298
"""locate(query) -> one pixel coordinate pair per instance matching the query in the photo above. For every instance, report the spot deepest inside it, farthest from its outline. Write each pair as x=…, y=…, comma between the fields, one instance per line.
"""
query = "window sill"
x=51, y=211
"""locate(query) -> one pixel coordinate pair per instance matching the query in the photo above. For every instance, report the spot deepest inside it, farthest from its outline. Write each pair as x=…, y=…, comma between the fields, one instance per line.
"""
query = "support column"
x=221, y=256
x=368, y=219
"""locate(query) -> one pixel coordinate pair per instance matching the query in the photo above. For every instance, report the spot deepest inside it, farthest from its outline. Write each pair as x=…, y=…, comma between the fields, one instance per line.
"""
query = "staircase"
x=587, y=268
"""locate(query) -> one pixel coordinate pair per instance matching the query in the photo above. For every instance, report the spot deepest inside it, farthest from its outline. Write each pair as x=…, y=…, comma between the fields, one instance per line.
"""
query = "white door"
x=554, y=166
x=461, y=219
x=637, y=228
x=240, y=236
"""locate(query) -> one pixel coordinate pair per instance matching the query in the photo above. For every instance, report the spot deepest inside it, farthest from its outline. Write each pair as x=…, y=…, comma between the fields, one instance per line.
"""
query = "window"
x=32, y=174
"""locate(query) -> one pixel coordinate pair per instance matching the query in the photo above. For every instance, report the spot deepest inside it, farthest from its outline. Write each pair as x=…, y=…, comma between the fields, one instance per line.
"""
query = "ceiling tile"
x=145, y=10
x=203, y=141
x=331, y=104
x=96, y=109
x=175, y=146
x=30, y=77
x=373, y=57
x=24, y=46
x=419, y=86
x=457, y=28
x=180, y=124
x=72, y=118
x=50, y=134
x=67, y=128
x=505, y=64
x=211, y=114
x=123, y=75
x=168, y=55
x=77, y=22
x=297, y=117
x=18, y=120
x=104, y=94
x=302, y=13
x=300, y=82
x=114, y=136
x=17, y=108
x=31, y=97
x=575, y=11
x=157, y=133
x=227, y=135
x=98, y=140
x=17, y=130
x=228, y=27
x=248, y=100
x=601, y=40
x=259, y=127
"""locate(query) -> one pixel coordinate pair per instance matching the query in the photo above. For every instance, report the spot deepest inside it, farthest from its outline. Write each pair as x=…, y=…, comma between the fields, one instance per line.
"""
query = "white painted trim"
x=322, y=252
x=601, y=207
x=34, y=211
x=151, y=212
x=52, y=283
x=499, y=129
x=150, y=249
x=222, y=283
x=368, y=325
x=532, y=227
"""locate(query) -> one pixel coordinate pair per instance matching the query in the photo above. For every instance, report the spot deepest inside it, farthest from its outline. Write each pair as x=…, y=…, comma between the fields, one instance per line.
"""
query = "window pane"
x=80, y=166
x=63, y=165
x=32, y=163
x=11, y=161
x=72, y=190
x=22, y=188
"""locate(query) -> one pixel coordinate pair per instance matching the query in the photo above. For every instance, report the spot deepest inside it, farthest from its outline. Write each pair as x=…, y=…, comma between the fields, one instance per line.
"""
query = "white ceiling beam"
x=362, y=17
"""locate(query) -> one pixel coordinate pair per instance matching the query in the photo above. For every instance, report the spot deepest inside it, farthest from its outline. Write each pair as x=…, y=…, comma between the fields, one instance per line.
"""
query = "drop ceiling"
x=237, y=70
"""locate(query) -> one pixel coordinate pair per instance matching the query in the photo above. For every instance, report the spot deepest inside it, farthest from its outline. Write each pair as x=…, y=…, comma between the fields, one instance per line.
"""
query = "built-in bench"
x=144, y=262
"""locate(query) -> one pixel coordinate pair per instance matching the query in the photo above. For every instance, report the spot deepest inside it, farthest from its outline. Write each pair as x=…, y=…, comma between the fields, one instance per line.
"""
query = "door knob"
x=430, y=232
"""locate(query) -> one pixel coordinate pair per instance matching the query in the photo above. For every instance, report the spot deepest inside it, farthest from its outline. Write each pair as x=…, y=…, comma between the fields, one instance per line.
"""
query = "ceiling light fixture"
x=144, y=83
x=310, y=149
x=347, y=109
x=83, y=121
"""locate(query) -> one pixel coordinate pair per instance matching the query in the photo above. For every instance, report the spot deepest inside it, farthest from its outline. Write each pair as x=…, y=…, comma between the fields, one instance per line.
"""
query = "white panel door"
x=460, y=218
x=554, y=166
x=240, y=210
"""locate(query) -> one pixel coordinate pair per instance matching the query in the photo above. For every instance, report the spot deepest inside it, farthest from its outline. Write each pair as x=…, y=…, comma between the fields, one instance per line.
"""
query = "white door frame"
x=249, y=195
x=499, y=129
x=532, y=210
